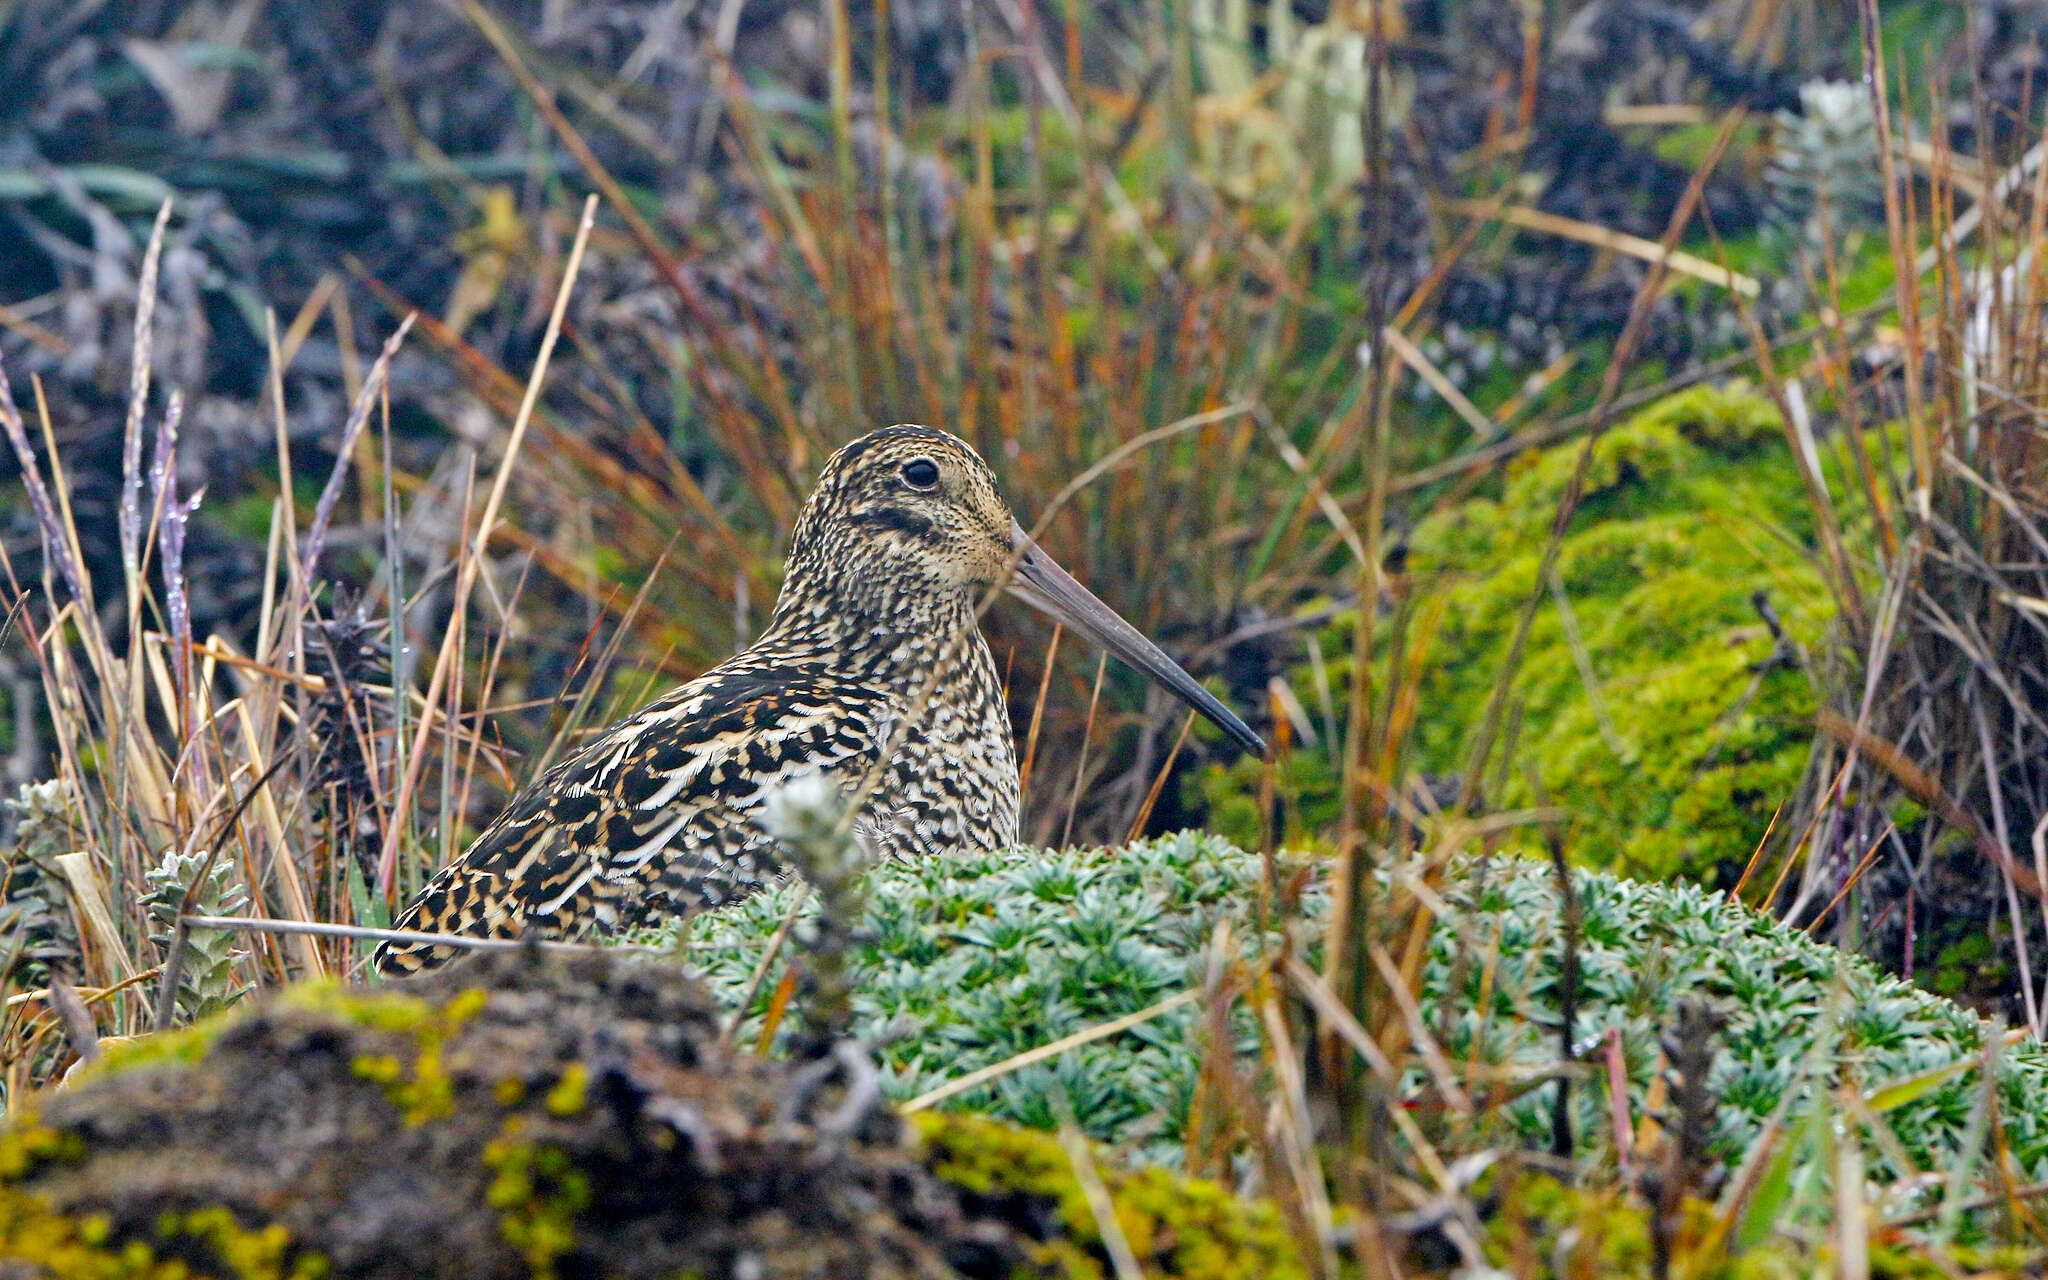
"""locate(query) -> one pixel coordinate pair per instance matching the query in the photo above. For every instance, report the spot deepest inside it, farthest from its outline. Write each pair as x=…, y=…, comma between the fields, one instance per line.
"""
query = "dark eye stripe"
x=896, y=518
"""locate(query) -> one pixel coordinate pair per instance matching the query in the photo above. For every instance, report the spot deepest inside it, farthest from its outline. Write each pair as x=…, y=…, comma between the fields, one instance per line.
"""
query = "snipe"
x=873, y=649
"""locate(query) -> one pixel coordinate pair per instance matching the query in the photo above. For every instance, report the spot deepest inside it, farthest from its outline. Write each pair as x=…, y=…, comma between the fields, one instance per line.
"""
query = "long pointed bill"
x=1051, y=590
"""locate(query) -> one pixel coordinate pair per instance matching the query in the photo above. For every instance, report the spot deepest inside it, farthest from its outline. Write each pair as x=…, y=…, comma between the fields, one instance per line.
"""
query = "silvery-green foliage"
x=967, y=961
x=35, y=911
x=206, y=980
x=1804, y=1018
x=1825, y=176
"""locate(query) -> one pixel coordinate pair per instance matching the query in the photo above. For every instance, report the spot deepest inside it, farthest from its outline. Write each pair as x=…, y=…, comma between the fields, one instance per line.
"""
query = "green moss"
x=1675, y=756
x=419, y=1087
x=1604, y=1230
x=376, y=1010
x=1176, y=1226
x=1967, y=962
x=1688, y=146
x=538, y=1191
x=80, y=1249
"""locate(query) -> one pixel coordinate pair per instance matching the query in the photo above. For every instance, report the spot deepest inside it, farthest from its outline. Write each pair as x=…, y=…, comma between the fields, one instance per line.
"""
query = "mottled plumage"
x=872, y=651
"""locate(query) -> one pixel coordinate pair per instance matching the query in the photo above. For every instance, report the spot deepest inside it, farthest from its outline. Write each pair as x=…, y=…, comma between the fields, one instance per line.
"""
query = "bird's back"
x=658, y=815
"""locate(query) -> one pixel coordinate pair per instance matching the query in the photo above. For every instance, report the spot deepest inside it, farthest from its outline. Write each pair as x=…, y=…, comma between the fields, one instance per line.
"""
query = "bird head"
x=906, y=505
x=911, y=511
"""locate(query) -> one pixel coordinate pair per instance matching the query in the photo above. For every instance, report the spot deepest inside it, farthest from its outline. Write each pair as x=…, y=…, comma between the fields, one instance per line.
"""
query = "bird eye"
x=920, y=473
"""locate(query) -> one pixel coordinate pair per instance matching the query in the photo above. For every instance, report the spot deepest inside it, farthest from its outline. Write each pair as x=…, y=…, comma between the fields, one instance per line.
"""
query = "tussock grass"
x=1924, y=809
x=197, y=779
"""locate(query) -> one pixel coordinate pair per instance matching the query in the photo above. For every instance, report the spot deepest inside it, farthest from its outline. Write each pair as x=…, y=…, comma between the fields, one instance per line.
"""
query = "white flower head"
x=803, y=808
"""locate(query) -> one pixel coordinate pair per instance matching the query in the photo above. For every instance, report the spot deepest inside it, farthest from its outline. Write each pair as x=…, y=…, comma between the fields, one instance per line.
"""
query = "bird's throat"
x=883, y=634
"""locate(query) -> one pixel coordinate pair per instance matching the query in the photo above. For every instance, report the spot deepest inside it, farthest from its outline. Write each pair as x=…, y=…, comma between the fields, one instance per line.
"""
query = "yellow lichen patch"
x=27, y=1144
x=183, y=1046
x=65, y=1247
x=260, y=1253
x=425, y=1091
x=566, y=1098
x=376, y=1010
x=379, y=1011
x=430, y=1094
x=538, y=1192
x=1177, y=1226
x=464, y=1007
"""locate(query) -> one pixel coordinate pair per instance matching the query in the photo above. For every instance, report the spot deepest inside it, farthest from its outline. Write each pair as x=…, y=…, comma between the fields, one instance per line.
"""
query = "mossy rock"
x=1692, y=732
x=1175, y=1226
x=514, y=1117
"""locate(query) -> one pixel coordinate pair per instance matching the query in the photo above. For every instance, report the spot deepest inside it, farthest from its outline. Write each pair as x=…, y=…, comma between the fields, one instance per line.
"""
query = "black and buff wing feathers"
x=657, y=817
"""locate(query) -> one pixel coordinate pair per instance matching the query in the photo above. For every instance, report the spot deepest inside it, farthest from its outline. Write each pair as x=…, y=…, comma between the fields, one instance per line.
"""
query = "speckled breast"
x=952, y=783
